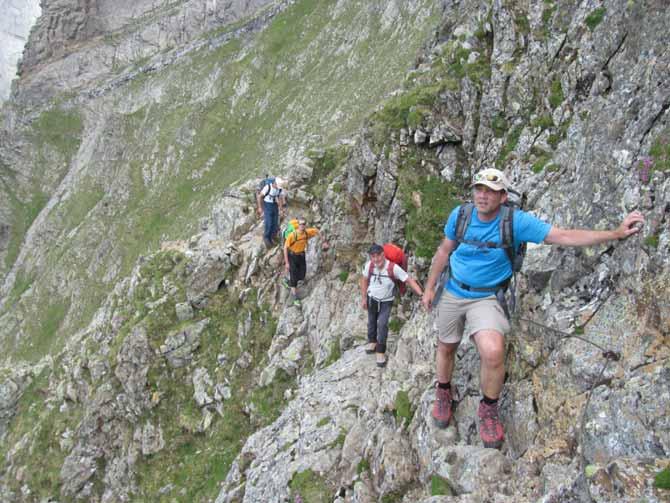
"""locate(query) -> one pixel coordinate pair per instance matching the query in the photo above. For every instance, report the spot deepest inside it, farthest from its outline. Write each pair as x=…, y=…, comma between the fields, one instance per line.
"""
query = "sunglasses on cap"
x=488, y=177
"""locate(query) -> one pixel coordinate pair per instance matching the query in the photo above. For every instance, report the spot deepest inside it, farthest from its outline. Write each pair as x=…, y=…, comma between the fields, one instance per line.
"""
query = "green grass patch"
x=425, y=225
x=522, y=24
x=542, y=159
x=510, y=145
x=539, y=165
x=480, y=32
x=363, y=466
x=78, y=205
x=662, y=479
x=60, y=128
x=407, y=109
x=311, y=487
x=326, y=165
x=595, y=17
x=544, y=121
x=395, y=324
x=334, y=354
x=479, y=70
x=343, y=276
x=499, y=125
x=590, y=470
x=457, y=57
x=440, y=486
x=556, y=96
x=660, y=152
x=548, y=13
x=44, y=327
x=458, y=65
x=338, y=443
x=24, y=213
x=403, y=407
x=651, y=241
x=544, y=30
x=393, y=497
x=269, y=400
x=22, y=283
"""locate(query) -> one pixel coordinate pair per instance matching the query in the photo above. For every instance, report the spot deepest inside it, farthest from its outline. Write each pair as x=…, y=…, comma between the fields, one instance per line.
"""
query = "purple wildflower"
x=644, y=169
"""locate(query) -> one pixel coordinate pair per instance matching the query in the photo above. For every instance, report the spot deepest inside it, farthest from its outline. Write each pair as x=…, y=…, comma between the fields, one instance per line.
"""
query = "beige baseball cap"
x=492, y=178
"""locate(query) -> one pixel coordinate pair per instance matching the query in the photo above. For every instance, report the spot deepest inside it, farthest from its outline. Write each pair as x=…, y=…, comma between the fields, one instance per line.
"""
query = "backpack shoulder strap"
x=389, y=269
x=463, y=220
x=507, y=231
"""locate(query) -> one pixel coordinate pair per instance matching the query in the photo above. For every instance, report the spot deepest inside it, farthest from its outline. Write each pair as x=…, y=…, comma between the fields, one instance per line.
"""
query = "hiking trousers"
x=297, y=268
x=378, y=322
x=270, y=220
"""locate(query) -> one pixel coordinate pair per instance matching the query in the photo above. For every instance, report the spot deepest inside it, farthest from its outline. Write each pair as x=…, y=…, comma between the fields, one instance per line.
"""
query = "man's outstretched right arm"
x=586, y=237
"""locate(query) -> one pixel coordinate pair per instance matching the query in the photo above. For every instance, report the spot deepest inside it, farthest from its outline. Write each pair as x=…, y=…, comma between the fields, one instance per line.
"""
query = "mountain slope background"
x=108, y=170
x=133, y=374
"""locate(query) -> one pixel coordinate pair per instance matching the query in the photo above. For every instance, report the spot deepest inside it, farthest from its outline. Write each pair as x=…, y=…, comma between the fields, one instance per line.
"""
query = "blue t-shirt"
x=487, y=267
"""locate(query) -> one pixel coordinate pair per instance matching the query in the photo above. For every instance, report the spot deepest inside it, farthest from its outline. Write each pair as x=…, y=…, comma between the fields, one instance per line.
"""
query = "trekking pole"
x=441, y=280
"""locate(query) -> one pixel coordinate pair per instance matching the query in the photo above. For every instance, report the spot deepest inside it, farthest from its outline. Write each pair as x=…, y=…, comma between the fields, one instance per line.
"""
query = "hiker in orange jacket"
x=295, y=265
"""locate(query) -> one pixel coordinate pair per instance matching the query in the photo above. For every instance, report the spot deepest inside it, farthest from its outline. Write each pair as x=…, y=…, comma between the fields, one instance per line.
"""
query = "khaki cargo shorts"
x=456, y=315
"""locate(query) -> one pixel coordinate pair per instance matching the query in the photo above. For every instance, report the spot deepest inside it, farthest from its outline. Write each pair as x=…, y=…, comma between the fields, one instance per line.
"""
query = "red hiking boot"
x=442, y=407
x=490, y=428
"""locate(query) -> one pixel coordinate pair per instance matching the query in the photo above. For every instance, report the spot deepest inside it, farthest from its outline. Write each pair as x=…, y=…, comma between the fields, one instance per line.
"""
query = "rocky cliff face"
x=196, y=380
x=78, y=44
x=17, y=19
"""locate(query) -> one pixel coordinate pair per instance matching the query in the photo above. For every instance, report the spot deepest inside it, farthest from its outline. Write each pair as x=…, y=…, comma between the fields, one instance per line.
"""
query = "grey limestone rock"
x=202, y=387
x=630, y=422
x=178, y=347
x=134, y=359
x=466, y=469
x=184, y=311
x=209, y=273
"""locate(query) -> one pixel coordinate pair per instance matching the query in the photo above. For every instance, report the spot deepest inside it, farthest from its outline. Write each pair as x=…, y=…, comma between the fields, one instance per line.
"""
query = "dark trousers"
x=297, y=268
x=270, y=220
x=378, y=323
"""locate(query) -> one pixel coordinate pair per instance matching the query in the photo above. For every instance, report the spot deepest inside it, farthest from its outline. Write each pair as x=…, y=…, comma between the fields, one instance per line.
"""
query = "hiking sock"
x=489, y=401
x=444, y=385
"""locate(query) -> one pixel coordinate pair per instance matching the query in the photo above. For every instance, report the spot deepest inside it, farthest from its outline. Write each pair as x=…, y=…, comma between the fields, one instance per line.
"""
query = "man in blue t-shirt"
x=469, y=294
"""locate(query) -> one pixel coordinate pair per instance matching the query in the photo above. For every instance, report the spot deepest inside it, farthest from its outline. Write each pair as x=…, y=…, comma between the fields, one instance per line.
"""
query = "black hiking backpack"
x=267, y=182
